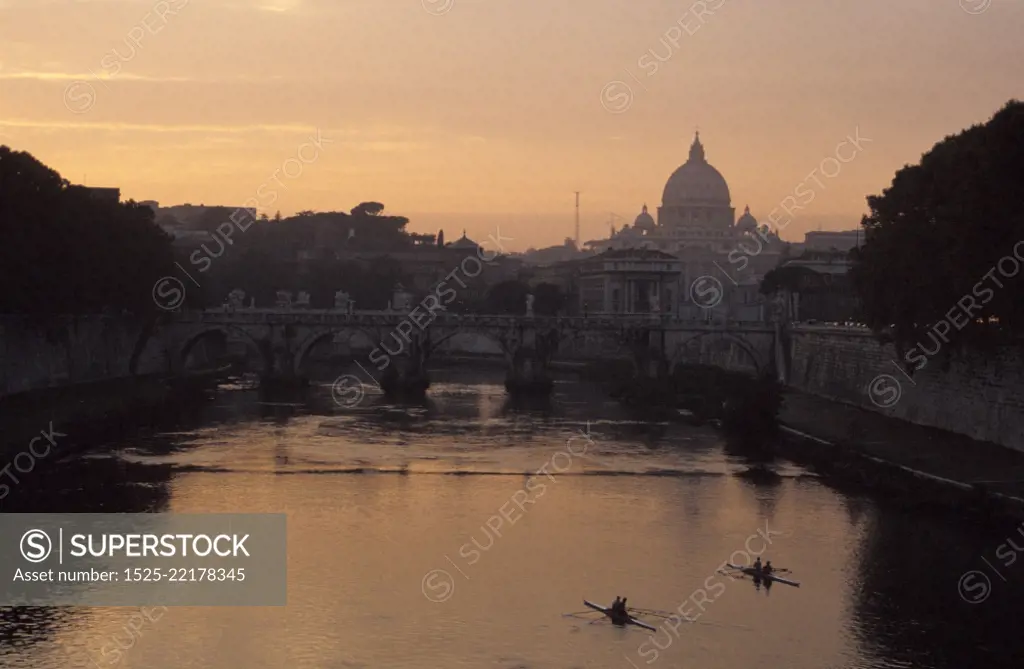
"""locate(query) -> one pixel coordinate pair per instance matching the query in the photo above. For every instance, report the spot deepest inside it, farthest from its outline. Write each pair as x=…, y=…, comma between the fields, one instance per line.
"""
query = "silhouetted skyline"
x=494, y=110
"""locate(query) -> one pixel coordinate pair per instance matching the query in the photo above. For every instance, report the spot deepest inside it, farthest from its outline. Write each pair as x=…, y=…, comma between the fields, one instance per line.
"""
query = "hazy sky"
x=477, y=113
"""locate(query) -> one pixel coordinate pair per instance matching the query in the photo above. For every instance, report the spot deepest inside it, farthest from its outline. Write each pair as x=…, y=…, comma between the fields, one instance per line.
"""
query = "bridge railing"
x=336, y=317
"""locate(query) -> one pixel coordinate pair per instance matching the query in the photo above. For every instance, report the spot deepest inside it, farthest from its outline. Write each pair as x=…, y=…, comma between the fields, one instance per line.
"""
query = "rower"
x=757, y=565
x=623, y=608
x=616, y=605
x=768, y=567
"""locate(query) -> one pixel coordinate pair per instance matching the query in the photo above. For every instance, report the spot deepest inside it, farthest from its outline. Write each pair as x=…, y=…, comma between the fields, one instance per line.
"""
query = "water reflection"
x=380, y=494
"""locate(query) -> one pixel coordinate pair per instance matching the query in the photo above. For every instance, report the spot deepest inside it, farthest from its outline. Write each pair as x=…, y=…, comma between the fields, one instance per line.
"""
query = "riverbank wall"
x=73, y=375
x=978, y=396
x=913, y=465
x=70, y=351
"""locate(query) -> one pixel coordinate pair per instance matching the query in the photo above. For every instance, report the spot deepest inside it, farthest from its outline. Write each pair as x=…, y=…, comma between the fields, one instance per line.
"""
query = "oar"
x=666, y=615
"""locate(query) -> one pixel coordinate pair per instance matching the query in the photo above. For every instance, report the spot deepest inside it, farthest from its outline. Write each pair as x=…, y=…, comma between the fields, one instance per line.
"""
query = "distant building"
x=696, y=225
x=555, y=254
x=463, y=243
x=827, y=240
x=203, y=217
x=628, y=281
x=826, y=293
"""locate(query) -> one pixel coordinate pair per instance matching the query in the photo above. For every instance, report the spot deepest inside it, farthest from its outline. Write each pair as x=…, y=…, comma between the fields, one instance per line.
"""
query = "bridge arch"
x=487, y=333
x=180, y=355
x=742, y=344
x=318, y=336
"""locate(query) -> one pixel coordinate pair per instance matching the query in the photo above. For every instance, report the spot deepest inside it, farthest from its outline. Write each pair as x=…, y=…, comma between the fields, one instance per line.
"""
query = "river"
x=407, y=547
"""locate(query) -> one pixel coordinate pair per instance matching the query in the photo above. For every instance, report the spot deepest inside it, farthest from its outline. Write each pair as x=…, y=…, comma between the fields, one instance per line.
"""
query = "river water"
x=417, y=537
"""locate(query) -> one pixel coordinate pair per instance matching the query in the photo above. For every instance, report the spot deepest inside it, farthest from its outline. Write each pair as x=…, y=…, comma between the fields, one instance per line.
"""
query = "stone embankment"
x=915, y=465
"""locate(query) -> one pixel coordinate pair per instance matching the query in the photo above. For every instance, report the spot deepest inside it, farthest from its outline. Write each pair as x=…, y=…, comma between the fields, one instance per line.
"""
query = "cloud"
x=51, y=75
x=153, y=127
x=376, y=140
x=73, y=76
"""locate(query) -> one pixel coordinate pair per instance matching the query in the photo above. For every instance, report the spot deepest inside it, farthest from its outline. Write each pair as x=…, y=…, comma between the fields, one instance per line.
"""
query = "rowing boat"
x=750, y=571
x=630, y=620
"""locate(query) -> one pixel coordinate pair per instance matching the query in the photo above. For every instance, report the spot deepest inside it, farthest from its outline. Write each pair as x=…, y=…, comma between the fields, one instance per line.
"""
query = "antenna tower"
x=577, y=219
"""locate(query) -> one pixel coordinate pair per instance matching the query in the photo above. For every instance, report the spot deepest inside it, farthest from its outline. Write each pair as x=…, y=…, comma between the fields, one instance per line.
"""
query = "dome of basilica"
x=696, y=182
x=644, y=222
x=746, y=222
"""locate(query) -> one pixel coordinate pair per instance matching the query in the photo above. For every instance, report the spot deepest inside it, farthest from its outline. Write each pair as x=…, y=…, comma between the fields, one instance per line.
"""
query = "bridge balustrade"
x=338, y=317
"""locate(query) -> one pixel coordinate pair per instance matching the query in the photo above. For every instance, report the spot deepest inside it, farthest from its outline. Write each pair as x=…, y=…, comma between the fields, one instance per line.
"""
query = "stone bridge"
x=402, y=343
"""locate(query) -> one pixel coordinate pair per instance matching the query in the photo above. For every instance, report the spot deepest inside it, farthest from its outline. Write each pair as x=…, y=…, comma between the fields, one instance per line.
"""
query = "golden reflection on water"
x=427, y=569
x=360, y=545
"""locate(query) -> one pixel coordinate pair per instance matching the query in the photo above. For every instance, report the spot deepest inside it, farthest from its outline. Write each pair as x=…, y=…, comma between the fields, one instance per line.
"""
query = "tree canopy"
x=550, y=299
x=368, y=209
x=64, y=251
x=508, y=297
x=935, y=240
x=794, y=278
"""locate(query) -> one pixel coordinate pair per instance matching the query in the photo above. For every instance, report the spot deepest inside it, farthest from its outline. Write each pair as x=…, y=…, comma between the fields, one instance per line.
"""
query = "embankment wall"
x=981, y=396
x=70, y=352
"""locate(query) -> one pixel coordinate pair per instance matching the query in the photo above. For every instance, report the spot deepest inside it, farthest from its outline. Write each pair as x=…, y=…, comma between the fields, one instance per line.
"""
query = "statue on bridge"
x=284, y=299
x=529, y=305
x=401, y=299
x=343, y=302
x=236, y=299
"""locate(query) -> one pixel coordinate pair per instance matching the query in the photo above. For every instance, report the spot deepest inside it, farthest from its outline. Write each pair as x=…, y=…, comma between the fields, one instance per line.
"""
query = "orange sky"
x=486, y=113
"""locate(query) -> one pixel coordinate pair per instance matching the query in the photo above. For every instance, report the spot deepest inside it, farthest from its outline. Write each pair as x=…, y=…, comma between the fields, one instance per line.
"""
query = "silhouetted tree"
x=422, y=239
x=935, y=236
x=549, y=299
x=368, y=209
x=440, y=238
x=63, y=251
x=508, y=297
x=793, y=278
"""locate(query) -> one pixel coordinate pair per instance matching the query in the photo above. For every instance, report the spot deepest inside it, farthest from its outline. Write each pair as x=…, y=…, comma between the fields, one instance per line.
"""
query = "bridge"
x=404, y=342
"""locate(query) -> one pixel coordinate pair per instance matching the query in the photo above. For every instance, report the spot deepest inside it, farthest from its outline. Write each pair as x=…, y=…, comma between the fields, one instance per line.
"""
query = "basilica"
x=715, y=260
